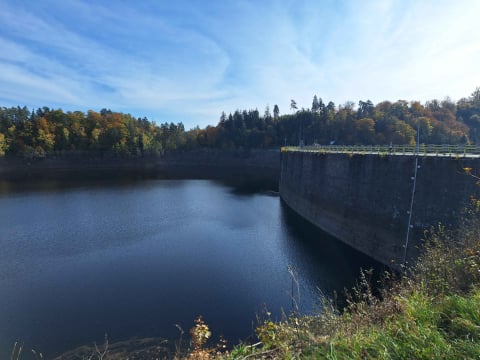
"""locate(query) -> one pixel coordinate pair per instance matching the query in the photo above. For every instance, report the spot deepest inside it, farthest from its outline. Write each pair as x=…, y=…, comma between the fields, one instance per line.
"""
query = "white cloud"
x=194, y=61
x=102, y=75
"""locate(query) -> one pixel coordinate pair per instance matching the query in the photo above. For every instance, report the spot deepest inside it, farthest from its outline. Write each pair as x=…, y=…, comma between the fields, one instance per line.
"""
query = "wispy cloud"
x=188, y=61
x=164, y=65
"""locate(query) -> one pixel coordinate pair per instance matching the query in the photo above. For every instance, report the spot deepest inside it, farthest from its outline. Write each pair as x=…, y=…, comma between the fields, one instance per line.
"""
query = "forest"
x=45, y=132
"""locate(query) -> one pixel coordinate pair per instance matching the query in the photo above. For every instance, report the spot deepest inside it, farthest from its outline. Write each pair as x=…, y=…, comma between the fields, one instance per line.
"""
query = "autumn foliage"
x=54, y=133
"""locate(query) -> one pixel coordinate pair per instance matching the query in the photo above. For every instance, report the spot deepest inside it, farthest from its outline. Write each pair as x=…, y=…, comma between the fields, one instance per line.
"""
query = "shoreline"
x=198, y=164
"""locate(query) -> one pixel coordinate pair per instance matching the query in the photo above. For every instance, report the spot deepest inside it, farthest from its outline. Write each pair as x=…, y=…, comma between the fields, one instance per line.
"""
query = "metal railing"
x=423, y=149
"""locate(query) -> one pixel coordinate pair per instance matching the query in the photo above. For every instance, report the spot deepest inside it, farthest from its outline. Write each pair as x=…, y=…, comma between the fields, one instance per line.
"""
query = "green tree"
x=276, y=112
x=267, y=114
x=315, y=104
x=45, y=136
x=293, y=105
x=3, y=145
x=365, y=109
x=365, y=131
x=425, y=126
x=403, y=133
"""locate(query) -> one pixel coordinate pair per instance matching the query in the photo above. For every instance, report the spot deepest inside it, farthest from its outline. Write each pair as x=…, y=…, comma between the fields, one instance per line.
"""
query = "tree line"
x=53, y=132
x=47, y=132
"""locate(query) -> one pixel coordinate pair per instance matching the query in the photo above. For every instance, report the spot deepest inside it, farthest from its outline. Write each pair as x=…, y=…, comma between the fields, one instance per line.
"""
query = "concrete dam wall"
x=364, y=200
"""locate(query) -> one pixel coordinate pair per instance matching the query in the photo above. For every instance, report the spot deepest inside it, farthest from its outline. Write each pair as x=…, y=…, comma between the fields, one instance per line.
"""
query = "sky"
x=189, y=60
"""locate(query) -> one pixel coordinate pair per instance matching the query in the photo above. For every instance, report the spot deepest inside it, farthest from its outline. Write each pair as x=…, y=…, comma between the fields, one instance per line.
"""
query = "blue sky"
x=189, y=60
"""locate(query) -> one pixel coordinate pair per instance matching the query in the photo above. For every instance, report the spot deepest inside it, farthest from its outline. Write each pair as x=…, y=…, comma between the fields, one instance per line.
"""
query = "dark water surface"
x=134, y=258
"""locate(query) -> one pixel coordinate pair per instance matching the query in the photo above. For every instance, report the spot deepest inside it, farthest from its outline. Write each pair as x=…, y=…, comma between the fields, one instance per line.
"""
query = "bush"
x=431, y=311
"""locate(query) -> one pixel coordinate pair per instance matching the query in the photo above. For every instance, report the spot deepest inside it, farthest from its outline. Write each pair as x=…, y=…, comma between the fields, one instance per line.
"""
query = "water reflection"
x=326, y=266
x=134, y=258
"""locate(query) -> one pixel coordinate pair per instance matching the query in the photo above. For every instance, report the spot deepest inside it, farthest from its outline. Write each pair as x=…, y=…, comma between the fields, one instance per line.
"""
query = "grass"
x=430, y=311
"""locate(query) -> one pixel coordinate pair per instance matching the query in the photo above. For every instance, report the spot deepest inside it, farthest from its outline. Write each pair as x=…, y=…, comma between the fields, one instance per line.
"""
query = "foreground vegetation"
x=29, y=133
x=431, y=311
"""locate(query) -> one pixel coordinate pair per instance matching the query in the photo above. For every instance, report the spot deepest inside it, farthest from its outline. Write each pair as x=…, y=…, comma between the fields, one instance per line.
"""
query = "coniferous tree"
x=315, y=104
x=276, y=112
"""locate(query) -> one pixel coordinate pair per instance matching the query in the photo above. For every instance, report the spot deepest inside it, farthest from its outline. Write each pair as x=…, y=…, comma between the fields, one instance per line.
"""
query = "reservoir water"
x=133, y=258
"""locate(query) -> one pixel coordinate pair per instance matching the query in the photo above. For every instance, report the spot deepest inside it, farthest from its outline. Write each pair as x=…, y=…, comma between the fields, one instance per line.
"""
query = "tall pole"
x=418, y=137
x=410, y=226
